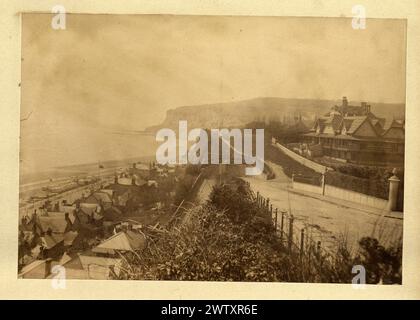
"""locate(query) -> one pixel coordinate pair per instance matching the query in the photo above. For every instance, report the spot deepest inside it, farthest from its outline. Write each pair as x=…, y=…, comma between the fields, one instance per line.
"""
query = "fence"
x=356, y=197
x=328, y=189
x=343, y=194
x=300, y=241
x=302, y=160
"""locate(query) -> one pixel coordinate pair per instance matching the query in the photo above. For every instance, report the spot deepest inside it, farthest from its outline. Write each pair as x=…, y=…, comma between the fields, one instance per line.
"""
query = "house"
x=75, y=266
x=140, y=170
x=123, y=191
x=112, y=214
x=123, y=241
x=100, y=268
x=99, y=198
x=51, y=245
x=46, y=235
x=38, y=269
x=354, y=134
x=87, y=266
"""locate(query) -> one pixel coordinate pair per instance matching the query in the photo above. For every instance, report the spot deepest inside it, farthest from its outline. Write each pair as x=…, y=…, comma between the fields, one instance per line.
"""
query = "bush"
x=289, y=165
x=230, y=239
x=381, y=264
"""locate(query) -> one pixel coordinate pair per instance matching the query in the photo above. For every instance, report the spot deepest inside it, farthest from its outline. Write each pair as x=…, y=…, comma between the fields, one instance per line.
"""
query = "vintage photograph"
x=212, y=148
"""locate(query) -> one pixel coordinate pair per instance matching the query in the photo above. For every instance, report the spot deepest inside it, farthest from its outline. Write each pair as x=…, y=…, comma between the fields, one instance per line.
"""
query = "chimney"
x=66, y=217
x=133, y=181
x=49, y=232
x=116, y=180
x=345, y=102
x=364, y=107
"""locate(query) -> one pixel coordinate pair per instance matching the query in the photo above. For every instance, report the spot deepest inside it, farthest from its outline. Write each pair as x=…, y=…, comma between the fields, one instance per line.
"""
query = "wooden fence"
x=297, y=241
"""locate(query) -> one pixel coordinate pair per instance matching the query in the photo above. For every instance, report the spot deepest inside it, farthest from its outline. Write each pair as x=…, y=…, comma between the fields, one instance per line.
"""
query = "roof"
x=122, y=241
x=354, y=123
x=328, y=135
x=69, y=237
x=73, y=266
x=50, y=241
x=141, y=166
x=32, y=266
x=120, y=189
x=103, y=196
x=88, y=210
x=109, y=191
x=57, y=223
x=112, y=214
x=99, y=267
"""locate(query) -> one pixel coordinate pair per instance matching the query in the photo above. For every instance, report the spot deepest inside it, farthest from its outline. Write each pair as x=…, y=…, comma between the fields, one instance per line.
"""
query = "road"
x=328, y=222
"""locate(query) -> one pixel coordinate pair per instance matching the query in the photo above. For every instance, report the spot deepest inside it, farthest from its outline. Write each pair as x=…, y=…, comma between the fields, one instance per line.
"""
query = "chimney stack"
x=364, y=107
x=49, y=232
x=66, y=217
x=345, y=102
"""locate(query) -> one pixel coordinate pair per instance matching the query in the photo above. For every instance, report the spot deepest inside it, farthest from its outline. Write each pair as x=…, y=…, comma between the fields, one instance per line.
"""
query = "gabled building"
x=354, y=134
x=99, y=198
x=123, y=241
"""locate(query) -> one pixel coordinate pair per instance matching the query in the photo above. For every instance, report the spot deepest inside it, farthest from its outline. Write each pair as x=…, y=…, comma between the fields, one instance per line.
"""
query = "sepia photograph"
x=212, y=148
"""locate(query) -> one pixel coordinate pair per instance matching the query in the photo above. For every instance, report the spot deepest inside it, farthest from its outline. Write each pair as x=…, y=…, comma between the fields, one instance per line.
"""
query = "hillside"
x=238, y=113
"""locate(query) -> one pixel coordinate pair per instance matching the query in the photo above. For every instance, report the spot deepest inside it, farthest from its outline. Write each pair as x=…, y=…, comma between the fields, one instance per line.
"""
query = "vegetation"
x=231, y=239
x=289, y=165
x=185, y=184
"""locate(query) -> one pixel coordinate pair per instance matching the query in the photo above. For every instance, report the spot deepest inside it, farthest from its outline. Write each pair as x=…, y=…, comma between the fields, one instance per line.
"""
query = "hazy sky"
x=112, y=72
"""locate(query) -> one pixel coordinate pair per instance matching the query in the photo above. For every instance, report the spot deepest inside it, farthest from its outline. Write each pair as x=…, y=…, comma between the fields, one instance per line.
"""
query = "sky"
x=123, y=72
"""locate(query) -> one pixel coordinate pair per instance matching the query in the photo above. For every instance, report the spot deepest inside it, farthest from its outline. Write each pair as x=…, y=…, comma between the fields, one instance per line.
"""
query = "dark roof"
x=112, y=214
x=120, y=189
x=355, y=124
x=50, y=241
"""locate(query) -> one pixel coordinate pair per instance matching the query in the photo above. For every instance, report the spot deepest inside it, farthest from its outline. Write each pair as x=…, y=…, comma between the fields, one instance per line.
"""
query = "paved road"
x=328, y=221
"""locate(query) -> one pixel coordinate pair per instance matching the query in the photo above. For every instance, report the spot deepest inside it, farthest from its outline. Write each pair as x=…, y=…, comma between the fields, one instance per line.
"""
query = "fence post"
x=318, y=249
x=268, y=204
x=302, y=238
x=290, y=235
x=258, y=198
x=275, y=225
x=281, y=227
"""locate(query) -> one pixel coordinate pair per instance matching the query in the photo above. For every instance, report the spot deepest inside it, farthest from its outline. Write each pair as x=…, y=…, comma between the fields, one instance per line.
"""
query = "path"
x=329, y=221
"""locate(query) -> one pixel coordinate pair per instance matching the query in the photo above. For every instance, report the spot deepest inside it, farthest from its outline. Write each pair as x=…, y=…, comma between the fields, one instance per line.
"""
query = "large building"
x=354, y=134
